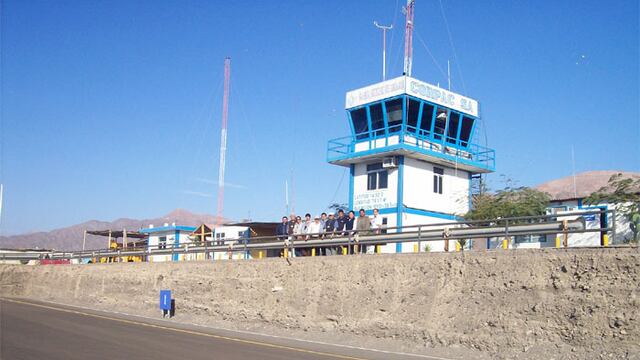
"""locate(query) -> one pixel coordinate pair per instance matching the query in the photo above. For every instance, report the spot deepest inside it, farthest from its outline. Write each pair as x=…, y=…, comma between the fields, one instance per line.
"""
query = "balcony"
x=412, y=142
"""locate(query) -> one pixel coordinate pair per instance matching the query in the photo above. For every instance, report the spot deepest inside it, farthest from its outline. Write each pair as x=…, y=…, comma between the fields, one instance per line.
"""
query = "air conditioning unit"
x=389, y=162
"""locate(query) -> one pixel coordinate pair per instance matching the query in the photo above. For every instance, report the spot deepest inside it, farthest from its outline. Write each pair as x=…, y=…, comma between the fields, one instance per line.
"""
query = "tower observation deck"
x=405, y=116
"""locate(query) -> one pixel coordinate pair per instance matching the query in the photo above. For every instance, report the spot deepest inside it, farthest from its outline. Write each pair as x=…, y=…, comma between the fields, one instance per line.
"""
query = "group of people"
x=325, y=226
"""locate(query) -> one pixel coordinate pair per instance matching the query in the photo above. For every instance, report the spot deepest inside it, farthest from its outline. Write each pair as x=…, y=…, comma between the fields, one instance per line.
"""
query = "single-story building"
x=164, y=237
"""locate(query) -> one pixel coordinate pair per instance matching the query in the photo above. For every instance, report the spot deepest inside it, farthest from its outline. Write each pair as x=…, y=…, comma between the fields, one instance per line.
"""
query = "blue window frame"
x=417, y=116
x=394, y=114
x=360, y=123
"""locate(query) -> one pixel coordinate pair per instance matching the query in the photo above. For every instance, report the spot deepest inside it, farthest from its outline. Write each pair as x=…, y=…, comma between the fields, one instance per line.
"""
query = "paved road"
x=30, y=330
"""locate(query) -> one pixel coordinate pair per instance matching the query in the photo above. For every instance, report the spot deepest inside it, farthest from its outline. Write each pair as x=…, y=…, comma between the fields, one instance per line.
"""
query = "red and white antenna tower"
x=408, y=38
x=223, y=139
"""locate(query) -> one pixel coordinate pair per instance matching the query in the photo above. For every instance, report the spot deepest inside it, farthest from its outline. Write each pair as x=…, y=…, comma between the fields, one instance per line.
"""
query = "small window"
x=427, y=118
x=394, y=114
x=360, y=123
x=465, y=132
x=452, y=129
x=413, y=109
x=438, y=174
x=385, y=221
x=527, y=239
x=162, y=242
x=377, y=177
x=441, y=123
x=377, y=120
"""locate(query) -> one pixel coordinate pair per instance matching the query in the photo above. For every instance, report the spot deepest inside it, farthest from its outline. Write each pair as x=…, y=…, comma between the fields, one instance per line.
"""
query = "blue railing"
x=409, y=138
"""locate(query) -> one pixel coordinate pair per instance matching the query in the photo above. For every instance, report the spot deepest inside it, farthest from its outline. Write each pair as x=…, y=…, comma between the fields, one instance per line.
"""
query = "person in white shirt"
x=376, y=221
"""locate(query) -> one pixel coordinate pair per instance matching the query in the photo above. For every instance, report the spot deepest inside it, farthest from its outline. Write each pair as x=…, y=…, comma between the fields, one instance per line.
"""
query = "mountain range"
x=70, y=238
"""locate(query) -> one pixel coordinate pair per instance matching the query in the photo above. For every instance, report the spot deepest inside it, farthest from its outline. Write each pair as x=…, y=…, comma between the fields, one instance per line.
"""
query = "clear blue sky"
x=112, y=108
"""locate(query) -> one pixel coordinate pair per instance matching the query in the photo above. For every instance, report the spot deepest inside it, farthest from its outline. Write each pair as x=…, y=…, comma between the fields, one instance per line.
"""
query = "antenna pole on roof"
x=384, y=47
x=408, y=38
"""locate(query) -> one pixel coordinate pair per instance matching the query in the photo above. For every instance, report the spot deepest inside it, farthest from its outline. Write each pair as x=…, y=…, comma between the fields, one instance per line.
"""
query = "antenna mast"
x=384, y=47
x=408, y=38
x=223, y=139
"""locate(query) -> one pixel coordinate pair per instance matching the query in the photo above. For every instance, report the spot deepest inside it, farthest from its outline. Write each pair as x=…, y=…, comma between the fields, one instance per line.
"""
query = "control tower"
x=411, y=152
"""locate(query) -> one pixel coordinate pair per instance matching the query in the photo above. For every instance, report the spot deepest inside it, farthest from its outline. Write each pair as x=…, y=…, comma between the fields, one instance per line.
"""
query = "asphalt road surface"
x=32, y=330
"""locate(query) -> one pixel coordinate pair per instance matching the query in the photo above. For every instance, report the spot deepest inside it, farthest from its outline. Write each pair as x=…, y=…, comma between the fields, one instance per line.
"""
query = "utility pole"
x=408, y=38
x=384, y=47
x=223, y=139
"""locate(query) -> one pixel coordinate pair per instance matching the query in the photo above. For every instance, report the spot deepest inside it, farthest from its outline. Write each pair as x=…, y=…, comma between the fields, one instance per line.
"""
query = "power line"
x=455, y=55
x=431, y=55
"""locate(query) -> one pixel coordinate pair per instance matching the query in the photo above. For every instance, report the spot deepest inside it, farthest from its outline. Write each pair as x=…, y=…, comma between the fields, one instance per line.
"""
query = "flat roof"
x=168, y=228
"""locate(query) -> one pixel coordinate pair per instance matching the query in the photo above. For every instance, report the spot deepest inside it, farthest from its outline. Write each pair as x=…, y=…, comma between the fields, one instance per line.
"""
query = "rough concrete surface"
x=537, y=304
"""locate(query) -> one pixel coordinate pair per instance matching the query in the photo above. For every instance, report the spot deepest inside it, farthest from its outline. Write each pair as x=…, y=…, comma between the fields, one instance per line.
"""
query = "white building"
x=568, y=195
x=411, y=154
x=166, y=236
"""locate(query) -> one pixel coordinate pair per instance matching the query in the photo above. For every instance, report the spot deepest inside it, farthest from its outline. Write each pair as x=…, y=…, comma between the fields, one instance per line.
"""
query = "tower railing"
x=413, y=139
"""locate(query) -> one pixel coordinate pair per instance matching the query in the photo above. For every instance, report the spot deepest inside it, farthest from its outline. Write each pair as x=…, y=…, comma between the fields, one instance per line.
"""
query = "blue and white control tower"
x=411, y=153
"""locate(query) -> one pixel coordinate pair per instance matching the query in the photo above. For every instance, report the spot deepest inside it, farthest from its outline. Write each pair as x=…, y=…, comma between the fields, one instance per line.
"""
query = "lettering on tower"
x=375, y=199
x=413, y=87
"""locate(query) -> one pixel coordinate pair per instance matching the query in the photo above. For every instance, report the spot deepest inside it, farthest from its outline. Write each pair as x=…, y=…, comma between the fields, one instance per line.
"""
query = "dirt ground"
x=524, y=304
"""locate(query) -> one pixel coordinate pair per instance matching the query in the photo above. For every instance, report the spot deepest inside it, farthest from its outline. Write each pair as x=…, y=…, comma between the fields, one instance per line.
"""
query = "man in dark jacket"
x=341, y=223
x=282, y=230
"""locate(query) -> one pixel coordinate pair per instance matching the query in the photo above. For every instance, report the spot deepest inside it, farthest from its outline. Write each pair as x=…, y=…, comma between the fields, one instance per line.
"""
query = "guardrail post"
x=377, y=249
x=613, y=229
x=416, y=248
x=313, y=251
x=507, y=240
x=605, y=240
x=419, y=238
x=457, y=246
x=558, y=241
x=565, y=232
x=445, y=236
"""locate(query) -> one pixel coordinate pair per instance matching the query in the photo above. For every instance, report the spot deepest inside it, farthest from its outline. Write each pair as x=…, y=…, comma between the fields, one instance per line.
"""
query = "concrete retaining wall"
x=579, y=302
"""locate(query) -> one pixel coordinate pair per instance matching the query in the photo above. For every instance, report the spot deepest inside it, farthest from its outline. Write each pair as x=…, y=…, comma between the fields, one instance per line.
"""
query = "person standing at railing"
x=363, y=225
x=350, y=227
x=376, y=222
x=329, y=232
x=315, y=231
x=282, y=230
x=298, y=233
x=341, y=223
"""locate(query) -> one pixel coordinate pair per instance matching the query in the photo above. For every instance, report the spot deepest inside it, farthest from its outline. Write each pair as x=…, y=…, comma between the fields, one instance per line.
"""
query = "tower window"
x=427, y=118
x=441, y=123
x=377, y=177
x=452, y=130
x=438, y=174
x=413, y=109
x=394, y=114
x=465, y=133
x=360, y=123
x=377, y=120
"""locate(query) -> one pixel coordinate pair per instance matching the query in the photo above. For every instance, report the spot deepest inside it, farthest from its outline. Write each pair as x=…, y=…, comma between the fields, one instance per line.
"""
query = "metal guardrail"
x=477, y=229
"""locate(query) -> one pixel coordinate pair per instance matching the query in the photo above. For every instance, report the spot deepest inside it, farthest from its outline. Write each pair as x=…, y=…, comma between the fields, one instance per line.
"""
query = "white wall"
x=370, y=199
x=418, y=188
x=231, y=235
x=154, y=238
